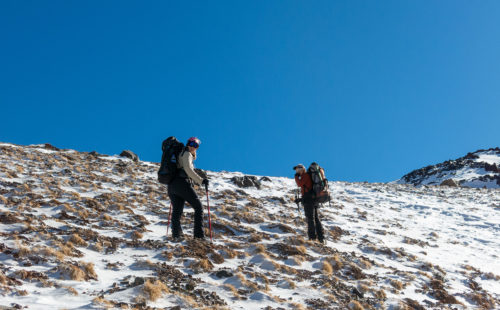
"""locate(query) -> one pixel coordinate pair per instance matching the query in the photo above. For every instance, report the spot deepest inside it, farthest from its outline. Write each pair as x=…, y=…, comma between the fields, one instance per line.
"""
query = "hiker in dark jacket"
x=181, y=190
x=303, y=180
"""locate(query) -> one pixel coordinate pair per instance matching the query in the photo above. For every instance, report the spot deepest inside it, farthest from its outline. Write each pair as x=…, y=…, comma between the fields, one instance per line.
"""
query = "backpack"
x=320, y=183
x=171, y=148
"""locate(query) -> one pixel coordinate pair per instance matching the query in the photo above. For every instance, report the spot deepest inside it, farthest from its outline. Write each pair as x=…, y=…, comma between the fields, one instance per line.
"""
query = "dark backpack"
x=319, y=183
x=171, y=148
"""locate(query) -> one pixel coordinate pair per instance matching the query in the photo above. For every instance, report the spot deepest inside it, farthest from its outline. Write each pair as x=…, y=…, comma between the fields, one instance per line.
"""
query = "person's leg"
x=195, y=202
x=177, y=208
x=309, y=210
x=319, y=227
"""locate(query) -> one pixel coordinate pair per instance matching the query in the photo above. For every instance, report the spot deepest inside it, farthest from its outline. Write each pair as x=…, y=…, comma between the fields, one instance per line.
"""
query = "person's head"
x=193, y=144
x=300, y=169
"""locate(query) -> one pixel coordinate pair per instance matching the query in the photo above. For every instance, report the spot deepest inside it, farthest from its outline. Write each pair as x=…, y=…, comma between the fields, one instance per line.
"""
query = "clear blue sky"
x=369, y=89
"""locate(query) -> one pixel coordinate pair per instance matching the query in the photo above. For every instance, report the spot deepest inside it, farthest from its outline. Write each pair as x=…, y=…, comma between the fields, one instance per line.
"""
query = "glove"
x=205, y=182
x=298, y=200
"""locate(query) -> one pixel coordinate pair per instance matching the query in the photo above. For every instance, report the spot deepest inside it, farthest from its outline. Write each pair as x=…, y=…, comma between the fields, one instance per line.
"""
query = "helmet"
x=194, y=142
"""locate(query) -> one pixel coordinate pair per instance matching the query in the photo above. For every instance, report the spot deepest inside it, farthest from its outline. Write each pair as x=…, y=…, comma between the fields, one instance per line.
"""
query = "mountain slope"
x=87, y=231
x=478, y=169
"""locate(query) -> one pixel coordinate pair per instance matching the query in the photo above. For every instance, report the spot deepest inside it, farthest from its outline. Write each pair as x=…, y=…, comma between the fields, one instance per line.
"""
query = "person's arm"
x=187, y=165
x=300, y=180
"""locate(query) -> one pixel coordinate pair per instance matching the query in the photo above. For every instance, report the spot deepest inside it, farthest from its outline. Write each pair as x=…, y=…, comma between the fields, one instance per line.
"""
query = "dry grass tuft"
x=254, y=238
x=72, y=290
x=74, y=272
x=354, y=305
x=78, y=272
x=75, y=239
x=483, y=299
x=232, y=289
x=364, y=263
x=97, y=247
x=107, y=217
x=396, y=284
x=380, y=294
x=3, y=278
x=136, y=235
x=335, y=261
x=327, y=268
x=68, y=208
x=297, y=306
x=260, y=248
x=217, y=258
x=89, y=269
x=154, y=290
x=102, y=302
x=203, y=264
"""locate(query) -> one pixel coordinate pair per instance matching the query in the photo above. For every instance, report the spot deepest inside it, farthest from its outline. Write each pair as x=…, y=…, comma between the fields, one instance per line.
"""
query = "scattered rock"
x=50, y=147
x=138, y=281
x=223, y=274
x=246, y=181
x=9, y=218
x=190, y=285
x=449, y=182
x=129, y=154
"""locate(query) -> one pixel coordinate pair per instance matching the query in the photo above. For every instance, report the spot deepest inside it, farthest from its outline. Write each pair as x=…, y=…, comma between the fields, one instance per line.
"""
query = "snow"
x=392, y=232
x=472, y=171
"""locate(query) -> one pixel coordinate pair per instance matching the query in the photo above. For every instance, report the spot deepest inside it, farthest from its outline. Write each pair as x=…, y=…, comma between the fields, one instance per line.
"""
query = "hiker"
x=304, y=181
x=180, y=190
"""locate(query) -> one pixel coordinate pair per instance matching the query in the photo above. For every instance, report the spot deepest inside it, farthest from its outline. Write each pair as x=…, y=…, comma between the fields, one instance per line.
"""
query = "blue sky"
x=369, y=89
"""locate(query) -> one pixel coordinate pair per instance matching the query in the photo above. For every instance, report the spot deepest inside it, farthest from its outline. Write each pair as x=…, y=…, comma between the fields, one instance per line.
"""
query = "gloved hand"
x=298, y=200
x=205, y=182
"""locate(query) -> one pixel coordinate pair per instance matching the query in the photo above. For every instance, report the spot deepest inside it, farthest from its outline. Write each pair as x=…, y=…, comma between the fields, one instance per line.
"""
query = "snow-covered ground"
x=478, y=169
x=88, y=231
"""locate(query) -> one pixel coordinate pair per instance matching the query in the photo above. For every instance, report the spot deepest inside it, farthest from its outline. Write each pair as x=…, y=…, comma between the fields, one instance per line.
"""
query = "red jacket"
x=304, y=182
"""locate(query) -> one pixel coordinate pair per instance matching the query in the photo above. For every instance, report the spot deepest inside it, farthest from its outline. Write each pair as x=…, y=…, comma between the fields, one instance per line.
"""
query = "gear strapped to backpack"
x=320, y=183
x=171, y=148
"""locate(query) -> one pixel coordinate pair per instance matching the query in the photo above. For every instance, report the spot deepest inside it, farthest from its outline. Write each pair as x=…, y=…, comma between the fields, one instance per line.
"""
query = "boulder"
x=129, y=154
x=223, y=274
x=491, y=167
x=449, y=182
x=246, y=181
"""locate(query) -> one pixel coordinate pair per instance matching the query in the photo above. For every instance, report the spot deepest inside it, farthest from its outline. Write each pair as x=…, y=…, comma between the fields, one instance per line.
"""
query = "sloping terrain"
x=88, y=231
x=478, y=169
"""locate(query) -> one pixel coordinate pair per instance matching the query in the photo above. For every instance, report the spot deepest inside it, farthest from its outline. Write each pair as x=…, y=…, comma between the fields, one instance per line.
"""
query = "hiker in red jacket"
x=303, y=180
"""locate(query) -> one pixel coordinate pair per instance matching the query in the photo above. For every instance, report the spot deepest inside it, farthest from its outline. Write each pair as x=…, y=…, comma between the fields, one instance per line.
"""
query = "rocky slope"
x=88, y=231
x=478, y=169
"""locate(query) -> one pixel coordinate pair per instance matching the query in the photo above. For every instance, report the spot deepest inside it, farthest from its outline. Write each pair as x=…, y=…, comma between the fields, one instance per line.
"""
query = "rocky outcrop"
x=246, y=181
x=130, y=154
x=474, y=169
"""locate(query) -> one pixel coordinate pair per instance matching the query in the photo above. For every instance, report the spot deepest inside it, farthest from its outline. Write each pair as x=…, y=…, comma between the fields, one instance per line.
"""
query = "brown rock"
x=449, y=182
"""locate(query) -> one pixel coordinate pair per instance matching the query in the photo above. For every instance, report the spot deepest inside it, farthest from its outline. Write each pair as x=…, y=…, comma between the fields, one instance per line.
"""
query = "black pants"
x=314, y=228
x=180, y=191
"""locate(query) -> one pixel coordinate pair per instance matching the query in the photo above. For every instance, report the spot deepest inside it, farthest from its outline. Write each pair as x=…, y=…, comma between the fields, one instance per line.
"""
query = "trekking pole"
x=169, y=216
x=209, y=218
x=298, y=203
